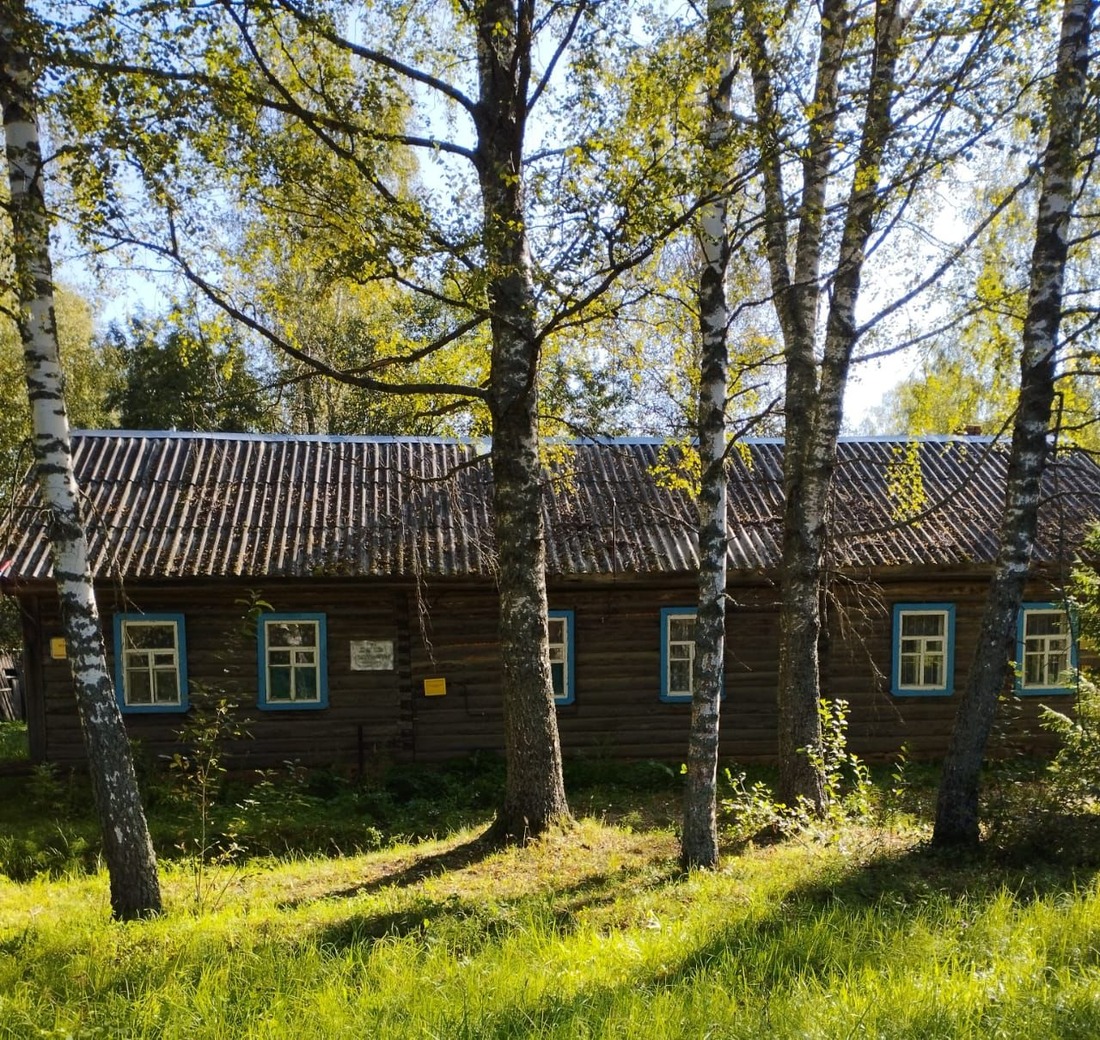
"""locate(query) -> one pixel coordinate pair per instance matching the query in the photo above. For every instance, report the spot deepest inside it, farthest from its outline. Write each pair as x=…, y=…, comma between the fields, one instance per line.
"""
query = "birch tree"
x=957, y=821
x=89, y=376
x=699, y=841
x=128, y=850
x=857, y=111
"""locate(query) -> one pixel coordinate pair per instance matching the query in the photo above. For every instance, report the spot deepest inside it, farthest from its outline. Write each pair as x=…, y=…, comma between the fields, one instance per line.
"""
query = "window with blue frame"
x=677, y=653
x=293, y=662
x=150, y=662
x=1046, y=654
x=560, y=624
x=923, y=650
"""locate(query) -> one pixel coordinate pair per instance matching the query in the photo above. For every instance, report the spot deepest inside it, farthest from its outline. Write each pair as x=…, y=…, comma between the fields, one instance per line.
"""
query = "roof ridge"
x=349, y=438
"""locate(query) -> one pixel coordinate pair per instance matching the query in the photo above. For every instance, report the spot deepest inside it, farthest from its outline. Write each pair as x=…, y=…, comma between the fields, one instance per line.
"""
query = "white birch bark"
x=128, y=850
x=699, y=841
x=957, y=820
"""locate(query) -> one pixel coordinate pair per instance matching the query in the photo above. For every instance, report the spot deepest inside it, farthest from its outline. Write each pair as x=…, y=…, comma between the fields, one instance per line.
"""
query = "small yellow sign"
x=57, y=648
x=435, y=687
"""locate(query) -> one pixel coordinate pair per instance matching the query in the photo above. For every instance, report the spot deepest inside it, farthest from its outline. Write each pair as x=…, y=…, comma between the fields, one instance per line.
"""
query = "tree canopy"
x=175, y=374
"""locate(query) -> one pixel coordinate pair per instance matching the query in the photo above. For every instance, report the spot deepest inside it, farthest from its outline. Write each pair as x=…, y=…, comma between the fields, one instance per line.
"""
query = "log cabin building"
x=340, y=591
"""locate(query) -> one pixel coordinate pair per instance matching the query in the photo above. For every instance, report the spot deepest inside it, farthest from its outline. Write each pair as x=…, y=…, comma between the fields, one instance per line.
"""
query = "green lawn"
x=590, y=933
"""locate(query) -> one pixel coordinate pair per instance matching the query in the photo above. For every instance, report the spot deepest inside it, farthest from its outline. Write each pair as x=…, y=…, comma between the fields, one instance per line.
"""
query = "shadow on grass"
x=420, y=869
x=829, y=933
x=466, y=925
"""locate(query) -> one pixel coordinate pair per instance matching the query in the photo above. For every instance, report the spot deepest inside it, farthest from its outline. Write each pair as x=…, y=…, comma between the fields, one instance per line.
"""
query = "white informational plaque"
x=372, y=655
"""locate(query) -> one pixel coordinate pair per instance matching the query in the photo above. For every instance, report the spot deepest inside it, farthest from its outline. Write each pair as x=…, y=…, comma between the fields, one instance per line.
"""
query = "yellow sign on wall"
x=435, y=687
x=57, y=648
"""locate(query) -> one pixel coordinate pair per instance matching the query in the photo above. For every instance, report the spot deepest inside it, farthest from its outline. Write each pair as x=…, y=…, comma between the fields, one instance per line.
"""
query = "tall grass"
x=591, y=933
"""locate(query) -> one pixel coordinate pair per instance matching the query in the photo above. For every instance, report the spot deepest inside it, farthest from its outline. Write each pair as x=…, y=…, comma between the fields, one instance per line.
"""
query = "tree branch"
x=342, y=376
x=379, y=58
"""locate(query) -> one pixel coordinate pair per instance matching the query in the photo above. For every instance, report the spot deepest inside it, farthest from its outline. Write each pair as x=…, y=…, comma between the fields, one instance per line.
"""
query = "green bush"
x=1074, y=774
x=750, y=808
x=13, y=742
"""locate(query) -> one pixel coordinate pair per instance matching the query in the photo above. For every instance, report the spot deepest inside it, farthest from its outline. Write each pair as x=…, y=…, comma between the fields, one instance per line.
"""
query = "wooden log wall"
x=448, y=631
x=617, y=709
x=367, y=710
x=857, y=658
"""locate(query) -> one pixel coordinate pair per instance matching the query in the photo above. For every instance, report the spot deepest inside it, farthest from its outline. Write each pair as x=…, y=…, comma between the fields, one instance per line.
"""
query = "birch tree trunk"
x=699, y=841
x=957, y=822
x=128, y=850
x=534, y=796
x=815, y=390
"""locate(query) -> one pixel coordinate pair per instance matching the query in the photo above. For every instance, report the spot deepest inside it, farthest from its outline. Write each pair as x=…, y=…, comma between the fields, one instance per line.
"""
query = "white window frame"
x=670, y=652
x=903, y=611
x=561, y=652
x=124, y=669
x=1029, y=646
x=320, y=661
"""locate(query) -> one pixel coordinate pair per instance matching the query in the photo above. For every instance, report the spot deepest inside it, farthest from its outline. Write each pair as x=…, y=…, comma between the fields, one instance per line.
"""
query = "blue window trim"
x=322, y=662
x=668, y=613
x=895, y=657
x=1043, y=691
x=181, y=666
x=570, y=671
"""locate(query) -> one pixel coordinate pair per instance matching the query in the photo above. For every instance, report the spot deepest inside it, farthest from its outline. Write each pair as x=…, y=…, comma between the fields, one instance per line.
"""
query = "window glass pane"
x=933, y=671
x=278, y=657
x=167, y=683
x=679, y=677
x=556, y=629
x=557, y=654
x=908, y=671
x=1043, y=622
x=305, y=657
x=278, y=687
x=1033, y=669
x=142, y=635
x=557, y=678
x=1053, y=670
x=138, y=687
x=286, y=633
x=681, y=630
x=930, y=623
x=680, y=651
x=305, y=680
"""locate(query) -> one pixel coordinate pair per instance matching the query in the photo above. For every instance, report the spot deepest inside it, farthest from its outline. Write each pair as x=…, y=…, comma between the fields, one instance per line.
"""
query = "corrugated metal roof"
x=190, y=505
